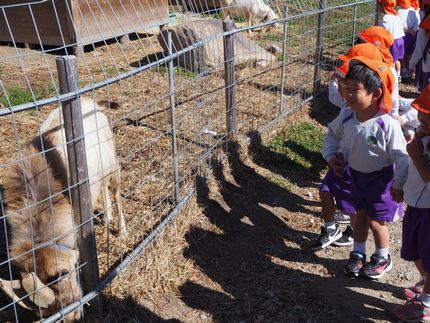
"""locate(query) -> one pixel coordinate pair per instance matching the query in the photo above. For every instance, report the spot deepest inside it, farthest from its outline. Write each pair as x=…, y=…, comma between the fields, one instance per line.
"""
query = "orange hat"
x=378, y=36
x=425, y=23
x=415, y=4
x=384, y=73
x=367, y=50
x=422, y=102
x=404, y=4
x=389, y=6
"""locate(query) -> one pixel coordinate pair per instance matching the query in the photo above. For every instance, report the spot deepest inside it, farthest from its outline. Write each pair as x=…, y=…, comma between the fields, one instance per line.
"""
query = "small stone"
x=274, y=49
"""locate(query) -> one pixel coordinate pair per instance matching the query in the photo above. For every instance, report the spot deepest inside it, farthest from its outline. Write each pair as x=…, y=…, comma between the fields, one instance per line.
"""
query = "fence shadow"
x=253, y=258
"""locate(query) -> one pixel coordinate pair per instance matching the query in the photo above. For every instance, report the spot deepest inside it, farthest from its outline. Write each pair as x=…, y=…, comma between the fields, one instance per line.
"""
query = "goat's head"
x=271, y=15
x=55, y=267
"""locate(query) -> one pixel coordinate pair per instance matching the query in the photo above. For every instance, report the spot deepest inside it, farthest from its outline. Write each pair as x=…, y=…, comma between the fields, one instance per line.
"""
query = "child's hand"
x=397, y=195
x=415, y=148
x=337, y=164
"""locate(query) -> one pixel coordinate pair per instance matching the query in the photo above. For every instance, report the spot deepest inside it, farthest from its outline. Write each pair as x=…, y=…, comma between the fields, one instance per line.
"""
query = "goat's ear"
x=39, y=293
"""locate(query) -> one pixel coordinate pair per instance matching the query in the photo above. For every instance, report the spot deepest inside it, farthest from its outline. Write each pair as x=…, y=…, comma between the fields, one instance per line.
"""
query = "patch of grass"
x=113, y=70
x=179, y=71
x=18, y=95
x=299, y=148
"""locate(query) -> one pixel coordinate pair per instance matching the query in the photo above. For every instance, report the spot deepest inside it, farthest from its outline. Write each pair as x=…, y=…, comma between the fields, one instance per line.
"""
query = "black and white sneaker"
x=326, y=238
x=346, y=238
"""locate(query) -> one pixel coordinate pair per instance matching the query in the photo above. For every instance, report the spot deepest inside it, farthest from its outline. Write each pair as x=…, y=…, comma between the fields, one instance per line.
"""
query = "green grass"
x=298, y=148
x=179, y=71
x=18, y=95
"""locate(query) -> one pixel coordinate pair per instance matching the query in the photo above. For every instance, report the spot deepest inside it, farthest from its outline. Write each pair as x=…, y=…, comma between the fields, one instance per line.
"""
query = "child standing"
x=375, y=145
x=395, y=25
x=410, y=19
x=416, y=222
x=420, y=59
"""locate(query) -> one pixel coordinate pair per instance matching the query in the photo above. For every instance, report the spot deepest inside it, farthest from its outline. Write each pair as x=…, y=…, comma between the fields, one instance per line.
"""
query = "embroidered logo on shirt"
x=371, y=140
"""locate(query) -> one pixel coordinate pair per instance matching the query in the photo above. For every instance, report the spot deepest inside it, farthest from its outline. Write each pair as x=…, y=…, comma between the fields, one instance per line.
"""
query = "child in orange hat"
x=395, y=25
x=374, y=143
x=379, y=37
x=420, y=59
x=411, y=21
x=416, y=222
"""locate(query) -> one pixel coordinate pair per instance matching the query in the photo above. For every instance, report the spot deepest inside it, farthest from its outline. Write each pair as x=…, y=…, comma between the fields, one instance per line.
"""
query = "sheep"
x=40, y=215
x=253, y=11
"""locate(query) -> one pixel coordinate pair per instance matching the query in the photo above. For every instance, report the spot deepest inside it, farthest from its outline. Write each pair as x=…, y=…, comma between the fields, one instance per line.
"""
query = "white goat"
x=253, y=11
x=40, y=214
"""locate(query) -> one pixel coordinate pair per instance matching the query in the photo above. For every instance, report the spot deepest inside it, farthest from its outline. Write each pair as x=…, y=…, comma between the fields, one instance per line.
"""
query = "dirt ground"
x=240, y=252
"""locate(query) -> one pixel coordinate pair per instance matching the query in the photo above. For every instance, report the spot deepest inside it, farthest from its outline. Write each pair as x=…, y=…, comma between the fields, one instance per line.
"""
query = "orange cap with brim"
x=422, y=102
x=387, y=79
x=415, y=4
x=389, y=6
x=367, y=50
x=378, y=36
x=425, y=23
x=404, y=4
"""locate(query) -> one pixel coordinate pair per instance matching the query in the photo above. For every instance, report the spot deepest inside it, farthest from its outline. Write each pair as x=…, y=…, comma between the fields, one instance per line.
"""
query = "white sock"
x=330, y=225
x=425, y=299
x=360, y=247
x=383, y=252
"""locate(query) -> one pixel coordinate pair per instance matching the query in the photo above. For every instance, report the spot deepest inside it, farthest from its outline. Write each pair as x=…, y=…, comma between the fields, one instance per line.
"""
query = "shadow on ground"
x=262, y=265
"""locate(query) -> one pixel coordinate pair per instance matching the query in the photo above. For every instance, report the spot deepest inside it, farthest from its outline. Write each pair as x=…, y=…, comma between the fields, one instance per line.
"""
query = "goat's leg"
x=107, y=204
x=115, y=186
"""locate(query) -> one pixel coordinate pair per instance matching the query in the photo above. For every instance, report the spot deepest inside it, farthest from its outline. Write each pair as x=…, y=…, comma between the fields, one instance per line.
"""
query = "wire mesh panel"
x=151, y=87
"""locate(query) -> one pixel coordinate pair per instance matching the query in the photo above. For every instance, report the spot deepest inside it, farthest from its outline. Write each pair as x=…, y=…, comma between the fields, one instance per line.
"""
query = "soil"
x=240, y=252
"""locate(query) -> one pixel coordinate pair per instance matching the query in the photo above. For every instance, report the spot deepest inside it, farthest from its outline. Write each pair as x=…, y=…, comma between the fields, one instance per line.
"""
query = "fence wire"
x=163, y=120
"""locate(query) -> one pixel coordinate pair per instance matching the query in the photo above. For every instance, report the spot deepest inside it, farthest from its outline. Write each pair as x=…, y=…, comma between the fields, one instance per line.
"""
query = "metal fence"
x=180, y=94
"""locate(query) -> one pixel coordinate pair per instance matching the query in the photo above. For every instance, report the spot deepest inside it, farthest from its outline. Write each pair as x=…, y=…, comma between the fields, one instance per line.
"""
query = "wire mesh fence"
x=158, y=89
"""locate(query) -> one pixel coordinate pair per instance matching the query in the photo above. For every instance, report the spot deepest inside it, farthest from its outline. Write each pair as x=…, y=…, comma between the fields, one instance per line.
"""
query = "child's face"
x=424, y=119
x=357, y=96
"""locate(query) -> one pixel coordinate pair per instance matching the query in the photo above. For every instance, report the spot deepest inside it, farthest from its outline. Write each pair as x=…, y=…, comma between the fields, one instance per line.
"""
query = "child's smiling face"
x=358, y=98
x=424, y=119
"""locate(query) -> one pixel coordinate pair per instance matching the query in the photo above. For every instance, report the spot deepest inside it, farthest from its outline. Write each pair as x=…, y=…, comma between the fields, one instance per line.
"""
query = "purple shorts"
x=372, y=192
x=340, y=188
x=409, y=41
x=415, y=236
x=397, y=50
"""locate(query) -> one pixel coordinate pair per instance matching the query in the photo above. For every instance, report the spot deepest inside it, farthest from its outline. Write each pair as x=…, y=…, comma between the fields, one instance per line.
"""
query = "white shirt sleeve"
x=419, y=48
x=334, y=95
x=396, y=145
x=333, y=136
x=395, y=95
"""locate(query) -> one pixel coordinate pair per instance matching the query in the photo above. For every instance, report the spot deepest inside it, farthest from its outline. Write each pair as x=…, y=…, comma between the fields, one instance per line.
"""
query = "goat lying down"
x=253, y=11
x=40, y=214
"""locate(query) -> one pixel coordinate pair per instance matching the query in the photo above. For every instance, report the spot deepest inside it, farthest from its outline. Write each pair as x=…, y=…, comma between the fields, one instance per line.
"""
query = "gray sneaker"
x=326, y=238
x=342, y=218
x=346, y=238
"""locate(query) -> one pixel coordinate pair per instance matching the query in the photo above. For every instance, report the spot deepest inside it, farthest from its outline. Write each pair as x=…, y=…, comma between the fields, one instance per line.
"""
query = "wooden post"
x=377, y=13
x=354, y=23
x=284, y=52
x=78, y=172
x=170, y=71
x=319, y=47
x=230, y=100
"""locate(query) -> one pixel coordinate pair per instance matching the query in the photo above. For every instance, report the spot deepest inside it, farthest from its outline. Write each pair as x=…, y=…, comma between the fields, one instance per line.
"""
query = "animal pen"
x=182, y=95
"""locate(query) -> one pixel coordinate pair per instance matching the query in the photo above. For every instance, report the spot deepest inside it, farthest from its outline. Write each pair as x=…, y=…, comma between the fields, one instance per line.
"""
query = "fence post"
x=354, y=24
x=170, y=72
x=284, y=52
x=78, y=172
x=228, y=41
x=377, y=13
x=319, y=46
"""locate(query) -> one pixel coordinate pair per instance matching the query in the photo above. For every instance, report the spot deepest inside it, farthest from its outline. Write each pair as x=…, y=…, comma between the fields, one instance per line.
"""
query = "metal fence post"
x=354, y=23
x=228, y=41
x=78, y=172
x=377, y=13
x=284, y=51
x=171, y=72
x=319, y=46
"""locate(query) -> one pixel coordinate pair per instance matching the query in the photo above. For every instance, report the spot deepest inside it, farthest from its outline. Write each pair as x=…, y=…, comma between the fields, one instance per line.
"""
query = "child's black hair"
x=362, y=73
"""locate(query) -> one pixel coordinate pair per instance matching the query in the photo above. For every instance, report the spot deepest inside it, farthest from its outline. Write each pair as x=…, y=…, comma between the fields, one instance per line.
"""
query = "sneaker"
x=355, y=264
x=340, y=217
x=346, y=238
x=326, y=238
x=412, y=293
x=377, y=266
x=413, y=312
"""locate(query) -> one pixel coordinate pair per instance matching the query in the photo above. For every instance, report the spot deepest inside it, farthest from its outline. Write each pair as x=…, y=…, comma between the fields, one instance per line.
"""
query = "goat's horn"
x=8, y=286
x=38, y=292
